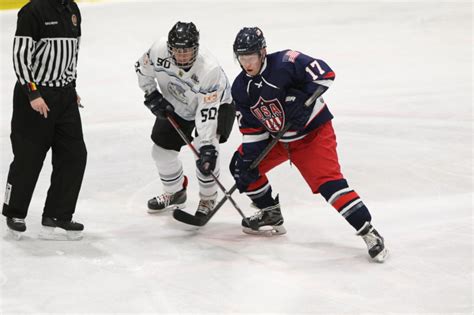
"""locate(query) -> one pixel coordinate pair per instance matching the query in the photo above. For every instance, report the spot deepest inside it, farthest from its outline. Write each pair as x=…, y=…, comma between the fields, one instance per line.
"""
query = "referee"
x=46, y=115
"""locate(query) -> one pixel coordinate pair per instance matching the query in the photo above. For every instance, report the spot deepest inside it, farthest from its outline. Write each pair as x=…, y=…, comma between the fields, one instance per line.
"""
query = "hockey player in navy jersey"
x=270, y=93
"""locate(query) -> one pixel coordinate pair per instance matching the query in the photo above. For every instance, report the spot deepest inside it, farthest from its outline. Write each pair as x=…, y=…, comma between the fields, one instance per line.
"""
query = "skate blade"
x=56, y=234
x=382, y=256
x=14, y=234
x=266, y=231
x=169, y=208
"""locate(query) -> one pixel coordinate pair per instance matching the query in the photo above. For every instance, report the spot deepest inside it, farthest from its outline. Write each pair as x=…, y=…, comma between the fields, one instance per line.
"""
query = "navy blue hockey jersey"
x=267, y=101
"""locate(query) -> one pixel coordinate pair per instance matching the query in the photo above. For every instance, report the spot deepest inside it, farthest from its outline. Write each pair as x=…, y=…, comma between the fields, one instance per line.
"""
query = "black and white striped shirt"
x=49, y=62
x=46, y=44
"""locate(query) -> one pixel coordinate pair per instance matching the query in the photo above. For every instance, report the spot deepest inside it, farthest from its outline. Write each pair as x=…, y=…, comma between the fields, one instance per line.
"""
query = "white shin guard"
x=170, y=168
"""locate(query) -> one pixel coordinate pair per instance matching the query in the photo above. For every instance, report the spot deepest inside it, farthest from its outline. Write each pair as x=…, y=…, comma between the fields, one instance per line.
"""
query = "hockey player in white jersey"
x=182, y=79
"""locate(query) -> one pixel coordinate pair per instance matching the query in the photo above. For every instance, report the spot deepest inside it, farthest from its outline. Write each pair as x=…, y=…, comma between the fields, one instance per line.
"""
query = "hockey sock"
x=169, y=168
x=207, y=185
x=346, y=201
x=262, y=197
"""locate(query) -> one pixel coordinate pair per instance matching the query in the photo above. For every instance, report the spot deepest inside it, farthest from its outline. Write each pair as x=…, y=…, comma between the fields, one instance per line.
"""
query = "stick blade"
x=190, y=219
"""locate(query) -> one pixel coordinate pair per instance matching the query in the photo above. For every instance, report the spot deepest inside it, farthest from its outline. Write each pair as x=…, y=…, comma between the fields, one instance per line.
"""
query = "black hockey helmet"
x=249, y=40
x=183, y=35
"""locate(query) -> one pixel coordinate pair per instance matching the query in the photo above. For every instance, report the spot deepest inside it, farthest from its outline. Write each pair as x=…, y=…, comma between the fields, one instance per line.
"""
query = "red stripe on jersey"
x=330, y=75
x=344, y=199
x=248, y=131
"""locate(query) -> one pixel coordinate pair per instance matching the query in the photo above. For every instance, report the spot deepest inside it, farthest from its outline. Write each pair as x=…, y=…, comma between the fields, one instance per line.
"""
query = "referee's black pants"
x=32, y=136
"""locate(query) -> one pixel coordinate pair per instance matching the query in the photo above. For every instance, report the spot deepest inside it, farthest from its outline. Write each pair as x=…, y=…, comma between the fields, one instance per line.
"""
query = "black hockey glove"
x=158, y=105
x=297, y=113
x=207, y=159
x=240, y=170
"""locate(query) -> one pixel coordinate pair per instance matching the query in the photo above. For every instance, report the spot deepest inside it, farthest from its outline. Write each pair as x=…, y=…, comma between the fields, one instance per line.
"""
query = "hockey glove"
x=207, y=159
x=297, y=113
x=158, y=105
x=240, y=170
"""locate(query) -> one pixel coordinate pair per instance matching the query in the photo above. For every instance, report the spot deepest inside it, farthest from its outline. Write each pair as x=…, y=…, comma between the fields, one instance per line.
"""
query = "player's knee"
x=163, y=156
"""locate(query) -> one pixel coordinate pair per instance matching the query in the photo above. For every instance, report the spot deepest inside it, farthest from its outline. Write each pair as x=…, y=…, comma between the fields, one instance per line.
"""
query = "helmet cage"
x=173, y=51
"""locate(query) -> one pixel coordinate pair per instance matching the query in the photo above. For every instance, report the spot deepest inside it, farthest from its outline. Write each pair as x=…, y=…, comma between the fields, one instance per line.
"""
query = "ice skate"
x=167, y=201
x=206, y=206
x=375, y=242
x=53, y=229
x=16, y=227
x=267, y=221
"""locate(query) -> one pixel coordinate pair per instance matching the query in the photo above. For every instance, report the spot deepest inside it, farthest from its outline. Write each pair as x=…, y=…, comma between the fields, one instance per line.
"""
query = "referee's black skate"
x=267, y=221
x=375, y=242
x=53, y=229
x=16, y=227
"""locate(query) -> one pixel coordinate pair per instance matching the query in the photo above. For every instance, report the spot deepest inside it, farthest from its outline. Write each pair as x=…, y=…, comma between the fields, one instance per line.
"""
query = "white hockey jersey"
x=196, y=94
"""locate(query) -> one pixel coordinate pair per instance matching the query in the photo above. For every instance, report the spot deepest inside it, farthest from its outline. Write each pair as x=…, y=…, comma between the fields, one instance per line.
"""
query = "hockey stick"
x=200, y=221
x=191, y=146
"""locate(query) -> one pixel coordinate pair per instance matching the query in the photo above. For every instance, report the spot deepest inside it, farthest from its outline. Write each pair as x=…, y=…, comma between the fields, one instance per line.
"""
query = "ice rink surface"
x=402, y=102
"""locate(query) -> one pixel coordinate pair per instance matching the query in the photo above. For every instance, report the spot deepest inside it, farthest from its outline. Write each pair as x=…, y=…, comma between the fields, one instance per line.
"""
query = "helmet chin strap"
x=262, y=60
x=185, y=68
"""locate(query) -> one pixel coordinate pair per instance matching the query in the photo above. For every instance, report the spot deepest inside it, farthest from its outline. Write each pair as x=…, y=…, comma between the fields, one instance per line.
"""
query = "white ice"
x=402, y=102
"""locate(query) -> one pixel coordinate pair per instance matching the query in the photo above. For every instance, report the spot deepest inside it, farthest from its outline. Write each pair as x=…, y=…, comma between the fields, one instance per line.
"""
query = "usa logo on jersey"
x=269, y=113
